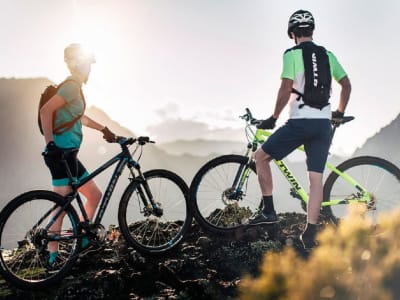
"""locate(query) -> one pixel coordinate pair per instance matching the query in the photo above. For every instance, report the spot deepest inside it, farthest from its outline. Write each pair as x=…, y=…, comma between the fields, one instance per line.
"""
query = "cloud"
x=182, y=129
x=171, y=109
x=188, y=123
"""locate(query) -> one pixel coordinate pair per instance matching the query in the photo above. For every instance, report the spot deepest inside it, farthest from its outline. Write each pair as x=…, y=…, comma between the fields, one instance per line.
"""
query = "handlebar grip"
x=255, y=122
x=343, y=120
x=249, y=113
x=143, y=140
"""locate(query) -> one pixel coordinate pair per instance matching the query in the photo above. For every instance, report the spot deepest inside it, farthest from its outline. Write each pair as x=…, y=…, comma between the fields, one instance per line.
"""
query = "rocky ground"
x=202, y=267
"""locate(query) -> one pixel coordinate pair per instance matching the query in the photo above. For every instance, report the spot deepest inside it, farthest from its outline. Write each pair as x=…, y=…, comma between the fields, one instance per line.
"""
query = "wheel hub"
x=371, y=205
x=38, y=237
x=230, y=196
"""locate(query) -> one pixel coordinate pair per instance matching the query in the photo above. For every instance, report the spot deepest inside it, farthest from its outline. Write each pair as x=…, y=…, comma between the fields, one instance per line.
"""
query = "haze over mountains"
x=23, y=169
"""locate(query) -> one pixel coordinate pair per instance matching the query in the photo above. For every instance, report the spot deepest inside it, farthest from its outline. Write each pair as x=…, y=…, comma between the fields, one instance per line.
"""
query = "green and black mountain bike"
x=225, y=192
x=153, y=215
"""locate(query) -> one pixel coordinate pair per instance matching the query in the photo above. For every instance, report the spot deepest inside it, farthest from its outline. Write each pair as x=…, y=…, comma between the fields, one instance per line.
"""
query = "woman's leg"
x=93, y=195
x=56, y=227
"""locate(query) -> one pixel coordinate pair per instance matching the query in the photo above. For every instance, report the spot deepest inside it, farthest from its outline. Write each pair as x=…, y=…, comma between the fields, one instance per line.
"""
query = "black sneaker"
x=308, y=243
x=263, y=218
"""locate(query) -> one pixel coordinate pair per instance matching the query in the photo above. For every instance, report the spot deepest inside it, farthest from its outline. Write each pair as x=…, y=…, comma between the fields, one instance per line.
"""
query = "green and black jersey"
x=293, y=68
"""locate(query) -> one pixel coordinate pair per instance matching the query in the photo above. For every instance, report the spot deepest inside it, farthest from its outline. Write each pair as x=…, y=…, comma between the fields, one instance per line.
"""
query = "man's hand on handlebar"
x=267, y=123
x=337, y=114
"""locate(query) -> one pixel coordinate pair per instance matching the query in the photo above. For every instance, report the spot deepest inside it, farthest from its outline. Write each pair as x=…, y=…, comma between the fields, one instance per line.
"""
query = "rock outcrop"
x=202, y=267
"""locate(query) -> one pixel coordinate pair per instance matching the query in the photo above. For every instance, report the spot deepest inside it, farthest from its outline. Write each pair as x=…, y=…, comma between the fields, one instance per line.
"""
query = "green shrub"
x=353, y=261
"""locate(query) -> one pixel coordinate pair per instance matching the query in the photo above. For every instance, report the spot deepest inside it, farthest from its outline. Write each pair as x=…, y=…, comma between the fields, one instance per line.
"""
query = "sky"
x=186, y=69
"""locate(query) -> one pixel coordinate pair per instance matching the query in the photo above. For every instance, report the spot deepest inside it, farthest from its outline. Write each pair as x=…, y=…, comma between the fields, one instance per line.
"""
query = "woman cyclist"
x=67, y=106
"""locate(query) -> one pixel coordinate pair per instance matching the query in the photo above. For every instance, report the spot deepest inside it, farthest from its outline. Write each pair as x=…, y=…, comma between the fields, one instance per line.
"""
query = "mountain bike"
x=225, y=192
x=153, y=215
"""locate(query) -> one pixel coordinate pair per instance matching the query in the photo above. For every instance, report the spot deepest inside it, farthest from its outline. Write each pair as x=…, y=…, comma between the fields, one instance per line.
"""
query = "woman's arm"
x=88, y=122
x=108, y=135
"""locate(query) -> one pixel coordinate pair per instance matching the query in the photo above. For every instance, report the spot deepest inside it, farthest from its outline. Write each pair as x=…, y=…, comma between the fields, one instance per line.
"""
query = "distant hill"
x=385, y=143
x=201, y=147
x=22, y=166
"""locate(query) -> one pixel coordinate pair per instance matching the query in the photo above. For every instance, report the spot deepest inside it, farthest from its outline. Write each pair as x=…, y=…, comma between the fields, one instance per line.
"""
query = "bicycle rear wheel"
x=219, y=205
x=380, y=177
x=149, y=230
x=23, y=240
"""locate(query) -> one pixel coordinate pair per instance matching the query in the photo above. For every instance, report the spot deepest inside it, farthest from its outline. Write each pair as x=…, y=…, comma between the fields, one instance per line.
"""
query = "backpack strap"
x=68, y=125
x=299, y=96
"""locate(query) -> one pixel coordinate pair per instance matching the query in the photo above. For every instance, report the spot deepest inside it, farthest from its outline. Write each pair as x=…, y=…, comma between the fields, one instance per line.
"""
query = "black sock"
x=310, y=231
x=268, y=204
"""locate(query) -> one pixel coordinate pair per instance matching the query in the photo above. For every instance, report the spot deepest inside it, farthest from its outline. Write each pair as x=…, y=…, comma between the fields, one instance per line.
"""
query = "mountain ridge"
x=21, y=151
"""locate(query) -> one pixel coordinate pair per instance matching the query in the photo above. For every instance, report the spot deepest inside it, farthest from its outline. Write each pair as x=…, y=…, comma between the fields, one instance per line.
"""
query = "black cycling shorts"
x=59, y=172
x=314, y=134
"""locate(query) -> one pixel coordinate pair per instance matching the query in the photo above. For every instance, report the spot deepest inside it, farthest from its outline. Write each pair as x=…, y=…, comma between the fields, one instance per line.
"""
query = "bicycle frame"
x=123, y=158
x=261, y=135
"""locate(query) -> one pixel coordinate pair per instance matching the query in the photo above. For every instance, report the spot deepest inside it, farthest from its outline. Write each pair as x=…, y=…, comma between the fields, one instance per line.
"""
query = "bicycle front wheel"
x=24, y=238
x=378, y=176
x=221, y=204
x=155, y=230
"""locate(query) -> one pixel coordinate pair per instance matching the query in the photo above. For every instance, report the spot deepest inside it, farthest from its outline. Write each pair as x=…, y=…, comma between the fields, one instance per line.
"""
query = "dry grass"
x=352, y=261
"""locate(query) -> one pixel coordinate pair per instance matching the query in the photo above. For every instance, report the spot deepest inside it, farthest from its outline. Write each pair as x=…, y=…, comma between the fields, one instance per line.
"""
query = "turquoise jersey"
x=74, y=106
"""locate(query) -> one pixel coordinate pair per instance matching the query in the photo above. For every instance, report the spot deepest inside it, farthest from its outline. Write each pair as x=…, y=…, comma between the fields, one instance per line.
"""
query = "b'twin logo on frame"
x=315, y=68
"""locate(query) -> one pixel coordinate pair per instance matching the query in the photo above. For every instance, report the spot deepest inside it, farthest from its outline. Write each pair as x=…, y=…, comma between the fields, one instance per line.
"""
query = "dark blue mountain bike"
x=153, y=215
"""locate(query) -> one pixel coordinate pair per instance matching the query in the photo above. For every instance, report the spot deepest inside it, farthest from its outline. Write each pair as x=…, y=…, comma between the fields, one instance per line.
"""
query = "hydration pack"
x=47, y=94
x=318, y=79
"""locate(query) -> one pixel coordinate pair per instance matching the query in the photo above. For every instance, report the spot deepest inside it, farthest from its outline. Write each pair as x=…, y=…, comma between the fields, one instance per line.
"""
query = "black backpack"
x=318, y=79
x=49, y=92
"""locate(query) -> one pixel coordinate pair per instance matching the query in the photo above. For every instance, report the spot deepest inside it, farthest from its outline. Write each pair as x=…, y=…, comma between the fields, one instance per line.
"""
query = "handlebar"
x=336, y=122
x=123, y=141
x=141, y=140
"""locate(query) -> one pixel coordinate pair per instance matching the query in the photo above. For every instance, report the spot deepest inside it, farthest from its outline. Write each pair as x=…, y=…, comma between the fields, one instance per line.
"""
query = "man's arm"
x=283, y=96
x=282, y=99
x=344, y=93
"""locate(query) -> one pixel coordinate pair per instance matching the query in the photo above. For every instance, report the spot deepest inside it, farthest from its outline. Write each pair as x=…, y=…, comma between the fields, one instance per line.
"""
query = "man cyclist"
x=308, y=126
x=67, y=106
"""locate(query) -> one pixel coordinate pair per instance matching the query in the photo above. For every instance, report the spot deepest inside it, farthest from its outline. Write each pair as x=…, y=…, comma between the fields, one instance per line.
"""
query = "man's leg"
x=313, y=209
x=264, y=172
x=317, y=149
x=315, y=199
x=268, y=215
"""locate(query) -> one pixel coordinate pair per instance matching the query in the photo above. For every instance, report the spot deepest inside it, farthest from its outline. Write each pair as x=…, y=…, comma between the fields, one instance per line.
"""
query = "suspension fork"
x=243, y=172
x=145, y=194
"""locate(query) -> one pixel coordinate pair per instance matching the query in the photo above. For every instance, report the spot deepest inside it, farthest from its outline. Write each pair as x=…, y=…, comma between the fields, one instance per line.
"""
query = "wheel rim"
x=219, y=204
x=157, y=230
x=24, y=253
x=382, y=185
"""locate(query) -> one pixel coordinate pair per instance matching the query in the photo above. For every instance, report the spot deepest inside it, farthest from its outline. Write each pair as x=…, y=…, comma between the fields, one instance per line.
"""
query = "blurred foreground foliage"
x=353, y=261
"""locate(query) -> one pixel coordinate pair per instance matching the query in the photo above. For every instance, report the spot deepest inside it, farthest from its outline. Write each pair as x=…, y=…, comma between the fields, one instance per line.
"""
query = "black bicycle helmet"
x=302, y=19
